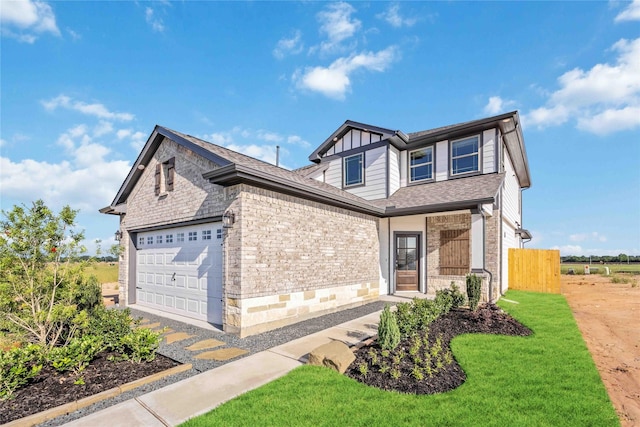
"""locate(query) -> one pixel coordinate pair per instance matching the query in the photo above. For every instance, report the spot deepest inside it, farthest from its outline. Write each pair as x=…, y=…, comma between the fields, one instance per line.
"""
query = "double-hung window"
x=421, y=164
x=353, y=170
x=465, y=157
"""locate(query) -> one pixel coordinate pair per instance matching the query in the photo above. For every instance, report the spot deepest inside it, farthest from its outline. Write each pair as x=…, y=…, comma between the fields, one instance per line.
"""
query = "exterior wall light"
x=228, y=219
x=118, y=235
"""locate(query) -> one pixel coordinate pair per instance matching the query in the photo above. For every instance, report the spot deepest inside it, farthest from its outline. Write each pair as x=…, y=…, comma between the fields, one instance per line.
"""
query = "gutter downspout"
x=484, y=251
x=389, y=255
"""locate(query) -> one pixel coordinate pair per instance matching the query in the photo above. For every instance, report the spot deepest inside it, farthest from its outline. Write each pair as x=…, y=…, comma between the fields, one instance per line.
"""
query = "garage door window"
x=180, y=237
x=159, y=239
x=193, y=236
x=206, y=234
x=150, y=240
x=141, y=241
x=169, y=238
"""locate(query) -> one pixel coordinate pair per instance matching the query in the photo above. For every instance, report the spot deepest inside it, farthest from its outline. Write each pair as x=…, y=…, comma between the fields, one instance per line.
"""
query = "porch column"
x=477, y=241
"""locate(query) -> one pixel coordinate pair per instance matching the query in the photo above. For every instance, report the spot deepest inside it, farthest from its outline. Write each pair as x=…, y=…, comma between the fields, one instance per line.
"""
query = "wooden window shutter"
x=171, y=168
x=158, y=172
x=454, y=252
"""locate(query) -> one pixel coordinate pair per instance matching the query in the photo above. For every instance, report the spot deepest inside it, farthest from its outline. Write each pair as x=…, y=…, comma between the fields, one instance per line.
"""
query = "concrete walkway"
x=199, y=394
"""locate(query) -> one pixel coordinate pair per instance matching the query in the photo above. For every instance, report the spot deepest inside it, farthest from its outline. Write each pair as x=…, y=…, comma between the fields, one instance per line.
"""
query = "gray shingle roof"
x=436, y=195
x=284, y=175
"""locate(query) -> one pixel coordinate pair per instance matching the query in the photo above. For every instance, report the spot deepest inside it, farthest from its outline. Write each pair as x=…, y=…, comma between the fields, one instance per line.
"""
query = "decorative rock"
x=335, y=355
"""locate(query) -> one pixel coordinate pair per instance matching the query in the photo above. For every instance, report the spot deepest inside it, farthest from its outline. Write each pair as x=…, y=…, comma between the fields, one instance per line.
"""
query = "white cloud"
x=578, y=250
x=269, y=136
x=96, y=109
x=266, y=153
x=66, y=182
x=153, y=20
x=497, y=105
x=296, y=140
x=337, y=25
x=333, y=81
x=631, y=13
x=30, y=18
x=291, y=46
x=601, y=100
x=102, y=128
x=392, y=16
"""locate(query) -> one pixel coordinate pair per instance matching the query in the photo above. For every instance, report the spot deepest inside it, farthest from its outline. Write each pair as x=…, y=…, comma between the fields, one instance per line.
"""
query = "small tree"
x=474, y=289
x=388, y=332
x=43, y=293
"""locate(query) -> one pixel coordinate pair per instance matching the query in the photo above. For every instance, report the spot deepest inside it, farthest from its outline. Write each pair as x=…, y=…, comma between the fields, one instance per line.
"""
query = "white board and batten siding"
x=375, y=175
x=509, y=240
x=355, y=138
x=511, y=193
x=442, y=160
x=394, y=170
x=179, y=270
x=489, y=151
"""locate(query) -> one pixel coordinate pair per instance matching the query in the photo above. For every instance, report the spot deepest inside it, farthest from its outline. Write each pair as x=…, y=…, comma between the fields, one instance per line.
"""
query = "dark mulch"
x=488, y=319
x=51, y=388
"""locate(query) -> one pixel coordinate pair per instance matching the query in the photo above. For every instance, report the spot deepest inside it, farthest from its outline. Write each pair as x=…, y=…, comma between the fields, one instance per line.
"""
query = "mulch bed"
x=488, y=319
x=51, y=388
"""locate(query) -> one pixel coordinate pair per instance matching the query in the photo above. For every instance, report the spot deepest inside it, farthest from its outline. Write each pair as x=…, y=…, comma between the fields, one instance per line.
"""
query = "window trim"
x=344, y=171
x=432, y=163
x=478, y=138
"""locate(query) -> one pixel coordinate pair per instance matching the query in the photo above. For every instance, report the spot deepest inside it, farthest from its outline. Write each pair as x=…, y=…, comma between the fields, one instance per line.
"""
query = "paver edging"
x=67, y=408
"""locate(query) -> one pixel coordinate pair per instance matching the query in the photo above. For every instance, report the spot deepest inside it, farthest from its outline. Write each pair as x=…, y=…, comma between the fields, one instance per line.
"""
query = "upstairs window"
x=465, y=156
x=421, y=164
x=165, y=173
x=353, y=170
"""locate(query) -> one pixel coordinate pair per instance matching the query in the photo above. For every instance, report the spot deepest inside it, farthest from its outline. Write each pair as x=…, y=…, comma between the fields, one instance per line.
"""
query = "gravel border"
x=253, y=344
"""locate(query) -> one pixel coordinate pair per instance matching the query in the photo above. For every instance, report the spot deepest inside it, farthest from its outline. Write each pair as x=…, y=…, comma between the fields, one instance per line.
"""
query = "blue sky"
x=83, y=83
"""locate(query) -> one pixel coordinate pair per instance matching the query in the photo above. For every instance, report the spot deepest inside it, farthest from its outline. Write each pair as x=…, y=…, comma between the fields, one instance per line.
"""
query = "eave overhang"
x=391, y=211
x=514, y=141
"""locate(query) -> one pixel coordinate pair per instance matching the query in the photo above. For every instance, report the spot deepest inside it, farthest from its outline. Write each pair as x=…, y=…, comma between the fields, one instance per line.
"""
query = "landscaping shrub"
x=457, y=298
x=140, y=345
x=388, y=331
x=112, y=326
x=75, y=355
x=17, y=367
x=43, y=293
x=407, y=322
x=474, y=289
x=425, y=312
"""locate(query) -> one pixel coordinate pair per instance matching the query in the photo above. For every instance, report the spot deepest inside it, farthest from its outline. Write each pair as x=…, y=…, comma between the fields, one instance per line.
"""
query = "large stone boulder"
x=335, y=355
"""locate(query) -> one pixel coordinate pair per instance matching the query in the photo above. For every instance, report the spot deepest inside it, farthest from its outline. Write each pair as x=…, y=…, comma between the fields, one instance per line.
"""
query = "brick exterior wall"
x=310, y=257
x=283, y=245
x=435, y=224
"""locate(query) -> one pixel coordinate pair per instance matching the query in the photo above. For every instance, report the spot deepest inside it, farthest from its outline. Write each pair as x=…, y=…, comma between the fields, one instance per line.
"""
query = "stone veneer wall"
x=193, y=198
x=435, y=281
x=290, y=259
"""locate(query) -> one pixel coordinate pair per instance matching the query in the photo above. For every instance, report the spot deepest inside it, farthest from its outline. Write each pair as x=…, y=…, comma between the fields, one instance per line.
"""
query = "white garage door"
x=179, y=270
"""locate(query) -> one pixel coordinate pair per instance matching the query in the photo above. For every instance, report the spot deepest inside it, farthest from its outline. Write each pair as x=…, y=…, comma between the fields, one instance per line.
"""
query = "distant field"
x=578, y=268
x=105, y=272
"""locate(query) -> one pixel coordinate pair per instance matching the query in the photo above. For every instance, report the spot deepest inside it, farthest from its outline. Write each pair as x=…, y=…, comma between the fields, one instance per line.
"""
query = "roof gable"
x=337, y=138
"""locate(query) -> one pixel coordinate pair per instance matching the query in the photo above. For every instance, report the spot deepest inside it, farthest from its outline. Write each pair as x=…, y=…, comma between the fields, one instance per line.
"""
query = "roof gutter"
x=435, y=208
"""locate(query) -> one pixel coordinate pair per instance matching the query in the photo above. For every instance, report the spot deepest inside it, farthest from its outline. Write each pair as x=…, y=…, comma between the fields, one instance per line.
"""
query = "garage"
x=179, y=270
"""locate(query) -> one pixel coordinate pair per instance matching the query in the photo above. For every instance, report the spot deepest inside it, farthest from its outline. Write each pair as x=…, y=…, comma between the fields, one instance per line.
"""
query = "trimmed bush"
x=76, y=355
x=388, y=332
x=450, y=298
x=17, y=367
x=112, y=325
x=407, y=322
x=141, y=345
x=474, y=288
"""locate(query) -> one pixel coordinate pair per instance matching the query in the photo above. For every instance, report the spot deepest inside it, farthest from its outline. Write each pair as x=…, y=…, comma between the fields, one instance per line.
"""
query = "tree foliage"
x=43, y=292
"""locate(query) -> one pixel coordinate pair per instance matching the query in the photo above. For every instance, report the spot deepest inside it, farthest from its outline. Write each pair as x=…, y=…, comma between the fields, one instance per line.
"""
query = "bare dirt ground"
x=110, y=293
x=608, y=316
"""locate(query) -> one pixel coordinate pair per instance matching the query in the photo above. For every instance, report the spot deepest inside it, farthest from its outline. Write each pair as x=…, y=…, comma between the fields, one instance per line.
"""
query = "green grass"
x=105, y=272
x=547, y=379
x=578, y=268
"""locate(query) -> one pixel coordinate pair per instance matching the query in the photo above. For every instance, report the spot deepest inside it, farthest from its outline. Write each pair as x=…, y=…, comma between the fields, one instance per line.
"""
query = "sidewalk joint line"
x=152, y=412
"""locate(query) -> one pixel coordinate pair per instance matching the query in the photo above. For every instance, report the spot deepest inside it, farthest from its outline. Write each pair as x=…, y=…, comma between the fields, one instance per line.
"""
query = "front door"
x=407, y=262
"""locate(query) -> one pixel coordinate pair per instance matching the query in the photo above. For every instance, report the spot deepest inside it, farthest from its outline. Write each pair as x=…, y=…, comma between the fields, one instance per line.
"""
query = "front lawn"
x=548, y=379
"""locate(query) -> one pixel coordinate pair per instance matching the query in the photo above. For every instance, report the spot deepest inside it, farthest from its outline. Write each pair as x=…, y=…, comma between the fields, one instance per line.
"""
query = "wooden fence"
x=536, y=270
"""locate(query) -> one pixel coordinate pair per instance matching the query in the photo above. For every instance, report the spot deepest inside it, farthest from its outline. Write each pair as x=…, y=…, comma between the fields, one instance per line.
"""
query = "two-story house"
x=218, y=236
